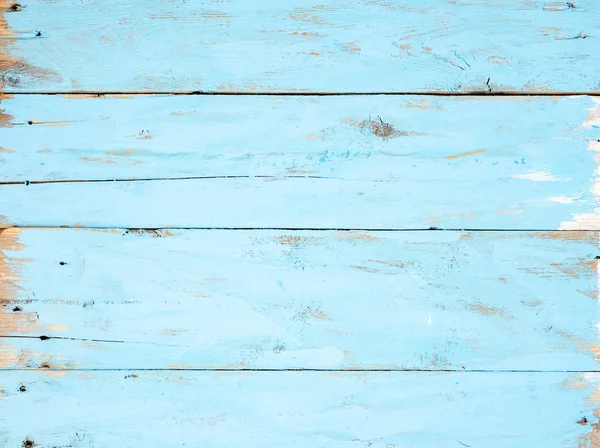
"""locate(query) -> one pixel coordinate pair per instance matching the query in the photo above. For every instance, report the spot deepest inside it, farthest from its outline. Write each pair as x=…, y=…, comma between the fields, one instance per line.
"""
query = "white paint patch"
x=539, y=176
x=593, y=119
x=429, y=321
x=591, y=376
x=564, y=199
x=588, y=221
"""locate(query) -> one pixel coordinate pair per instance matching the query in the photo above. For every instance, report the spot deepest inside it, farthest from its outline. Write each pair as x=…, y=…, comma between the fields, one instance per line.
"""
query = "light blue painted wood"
x=474, y=302
x=436, y=139
x=365, y=46
x=345, y=162
x=300, y=409
x=302, y=203
x=324, y=300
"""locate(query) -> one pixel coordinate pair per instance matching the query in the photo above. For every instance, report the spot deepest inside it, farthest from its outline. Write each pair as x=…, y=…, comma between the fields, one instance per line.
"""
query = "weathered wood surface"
x=335, y=162
x=339, y=46
x=276, y=300
x=300, y=409
x=412, y=138
x=505, y=322
x=300, y=203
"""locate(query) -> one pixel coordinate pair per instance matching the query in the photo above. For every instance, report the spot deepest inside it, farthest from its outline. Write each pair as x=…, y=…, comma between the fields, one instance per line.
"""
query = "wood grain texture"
x=335, y=162
x=318, y=300
x=339, y=46
x=387, y=138
x=335, y=330
x=298, y=203
x=308, y=409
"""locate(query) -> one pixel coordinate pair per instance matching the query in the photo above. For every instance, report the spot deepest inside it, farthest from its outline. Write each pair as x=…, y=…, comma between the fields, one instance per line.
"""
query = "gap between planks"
x=482, y=93
x=491, y=371
x=294, y=229
x=161, y=179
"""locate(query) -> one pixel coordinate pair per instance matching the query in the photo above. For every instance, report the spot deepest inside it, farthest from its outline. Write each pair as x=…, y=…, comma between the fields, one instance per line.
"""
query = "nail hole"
x=44, y=366
x=584, y=421
x=62, y=263
x=38, y=33
x=597, y=257
x=29, y=121
x=22, y=388
x=27, y=443
x=16, y=309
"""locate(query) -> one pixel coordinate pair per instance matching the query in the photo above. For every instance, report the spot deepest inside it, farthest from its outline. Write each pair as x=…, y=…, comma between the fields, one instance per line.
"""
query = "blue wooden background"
x=227, y=223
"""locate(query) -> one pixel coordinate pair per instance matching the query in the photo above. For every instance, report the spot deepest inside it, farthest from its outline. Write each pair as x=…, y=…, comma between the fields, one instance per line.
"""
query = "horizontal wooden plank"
x=302, y=203
x=316, y=409
x=338, y=162
x=239, y=45
x=319, y=300
x=351, y=137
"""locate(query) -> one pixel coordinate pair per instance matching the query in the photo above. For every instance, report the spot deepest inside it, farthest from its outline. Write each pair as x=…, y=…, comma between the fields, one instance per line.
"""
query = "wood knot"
x=381, y=128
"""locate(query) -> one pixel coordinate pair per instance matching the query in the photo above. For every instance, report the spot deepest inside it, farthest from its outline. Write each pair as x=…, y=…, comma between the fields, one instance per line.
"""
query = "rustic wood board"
x=300, y=46
x=367, y=138
x=268, y=258
x=303, y=203
x=311, y=409
x=279, y=300
x=334, y=162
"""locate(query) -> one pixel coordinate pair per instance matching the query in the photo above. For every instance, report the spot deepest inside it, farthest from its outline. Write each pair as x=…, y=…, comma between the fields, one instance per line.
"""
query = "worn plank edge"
x=299, y=229
x=293, y=229
x=161, y=179
x=183, y=369
x=481, y=93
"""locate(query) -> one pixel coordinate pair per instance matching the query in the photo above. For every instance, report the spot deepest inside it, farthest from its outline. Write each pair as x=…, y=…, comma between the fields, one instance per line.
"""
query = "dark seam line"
x=46, y=338
x=151, y=179
x=108, y=341
x=299, y=229
x=283, y=93
x=45, y=369
x=186, y=178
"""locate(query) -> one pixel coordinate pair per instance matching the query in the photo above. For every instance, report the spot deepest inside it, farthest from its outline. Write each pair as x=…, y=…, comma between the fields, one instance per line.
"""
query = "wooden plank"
x=79, y=137
x=316, y=409
x=343, y=162
x=342, y=46
x=278, y=300
x=303, y=203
